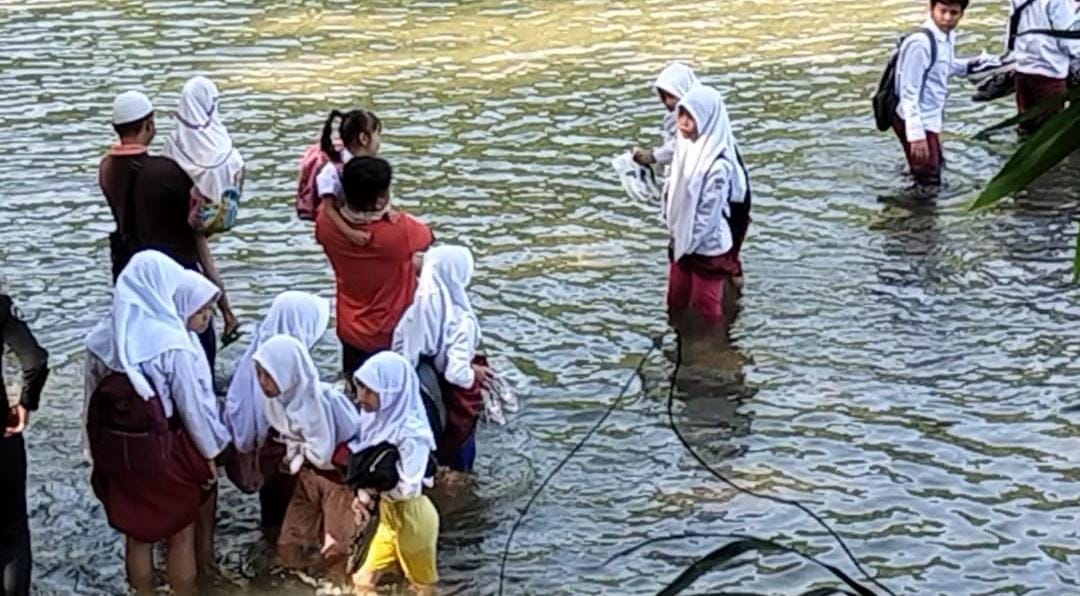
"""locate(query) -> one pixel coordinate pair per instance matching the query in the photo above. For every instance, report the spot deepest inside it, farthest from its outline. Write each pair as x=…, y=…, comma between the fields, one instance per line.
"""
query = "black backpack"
x=886, y=99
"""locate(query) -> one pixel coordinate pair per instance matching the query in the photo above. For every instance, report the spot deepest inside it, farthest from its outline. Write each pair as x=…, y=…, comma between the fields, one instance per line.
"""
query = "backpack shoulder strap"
x=129, y=200
x=933, y=50
x=1014, y=23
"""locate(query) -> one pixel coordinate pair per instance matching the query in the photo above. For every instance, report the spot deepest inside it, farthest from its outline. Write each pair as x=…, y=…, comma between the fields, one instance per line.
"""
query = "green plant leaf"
x=1059, y=137
x=1076, y=258
x=733, y=549
x=702, y=566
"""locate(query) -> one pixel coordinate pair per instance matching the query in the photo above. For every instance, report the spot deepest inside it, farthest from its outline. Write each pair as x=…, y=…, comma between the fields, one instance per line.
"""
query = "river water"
x=907, y=373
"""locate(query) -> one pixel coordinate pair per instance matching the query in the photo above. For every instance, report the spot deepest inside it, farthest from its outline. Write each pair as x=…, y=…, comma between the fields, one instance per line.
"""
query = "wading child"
x=316, y=423
x=1042, y=61
x=258, y=450
x=152, y=418
x=440, y=325
x=388, y=390
x=925, y=62
x=673, y=83
x=707, y=210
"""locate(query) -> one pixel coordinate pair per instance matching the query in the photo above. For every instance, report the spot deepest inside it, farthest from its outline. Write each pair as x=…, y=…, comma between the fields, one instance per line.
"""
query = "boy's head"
x=366, y=181
x=947, y=13
x=133, y=118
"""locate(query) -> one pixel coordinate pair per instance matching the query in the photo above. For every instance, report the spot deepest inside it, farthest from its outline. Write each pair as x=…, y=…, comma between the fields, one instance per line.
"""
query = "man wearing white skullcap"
x=130, y=107
x=149, y=197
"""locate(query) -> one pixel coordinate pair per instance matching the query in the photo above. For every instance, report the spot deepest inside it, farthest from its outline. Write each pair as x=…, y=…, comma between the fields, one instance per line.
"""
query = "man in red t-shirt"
x=375, y=281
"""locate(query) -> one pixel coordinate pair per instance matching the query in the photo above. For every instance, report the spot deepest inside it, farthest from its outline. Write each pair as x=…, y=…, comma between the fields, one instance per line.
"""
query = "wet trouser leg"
x=15, y=559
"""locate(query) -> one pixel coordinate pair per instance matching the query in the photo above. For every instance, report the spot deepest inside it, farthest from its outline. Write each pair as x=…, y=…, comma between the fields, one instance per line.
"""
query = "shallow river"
x=909, y=374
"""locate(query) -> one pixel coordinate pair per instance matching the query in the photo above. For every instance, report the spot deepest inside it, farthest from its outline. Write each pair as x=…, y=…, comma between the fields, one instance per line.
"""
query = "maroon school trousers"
x=928, y=172
x=1031, y=90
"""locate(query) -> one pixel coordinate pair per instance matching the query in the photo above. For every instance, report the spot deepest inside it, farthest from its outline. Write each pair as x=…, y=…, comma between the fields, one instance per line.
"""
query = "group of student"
x=1036, y=40
x=327, y=461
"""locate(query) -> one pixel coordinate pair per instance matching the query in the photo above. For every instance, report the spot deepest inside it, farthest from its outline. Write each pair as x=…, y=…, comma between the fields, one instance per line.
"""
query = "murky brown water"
x=911, y=372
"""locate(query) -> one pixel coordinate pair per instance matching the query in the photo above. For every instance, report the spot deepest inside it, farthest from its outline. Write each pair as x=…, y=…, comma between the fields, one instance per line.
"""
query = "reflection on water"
x=906, y=372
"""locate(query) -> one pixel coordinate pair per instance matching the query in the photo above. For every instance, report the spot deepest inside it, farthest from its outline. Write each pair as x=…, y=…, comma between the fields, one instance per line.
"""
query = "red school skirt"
x=151, y=507
x=697, y=284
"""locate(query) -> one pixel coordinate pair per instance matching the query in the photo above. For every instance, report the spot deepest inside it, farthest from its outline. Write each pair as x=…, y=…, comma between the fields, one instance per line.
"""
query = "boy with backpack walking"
x=919, y=87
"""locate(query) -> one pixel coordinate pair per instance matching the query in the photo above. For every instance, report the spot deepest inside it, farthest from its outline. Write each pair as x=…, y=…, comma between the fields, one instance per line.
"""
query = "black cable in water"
x=657, y=342
x=746, y=491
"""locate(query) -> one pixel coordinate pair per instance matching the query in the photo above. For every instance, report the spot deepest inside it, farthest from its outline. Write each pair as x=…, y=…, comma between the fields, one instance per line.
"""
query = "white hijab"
x=440, y=305
x=677, y=79
x=304, y=413
x=193, y=292
x=299, y=314
x=201, y=145
x=401, y=413
x=145, y=321
x=693, y=162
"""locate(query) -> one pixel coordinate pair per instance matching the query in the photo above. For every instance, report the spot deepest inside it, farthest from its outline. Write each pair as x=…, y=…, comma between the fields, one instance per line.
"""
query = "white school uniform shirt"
x=668, y=130
x=924, y=109
x=705, y=179
x=183, y=388
x=440, y=323
x=1041, y=54
x=400, y=420
x=328, y=180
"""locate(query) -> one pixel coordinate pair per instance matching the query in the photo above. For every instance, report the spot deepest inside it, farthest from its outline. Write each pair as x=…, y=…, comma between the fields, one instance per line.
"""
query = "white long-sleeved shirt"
x=182, y=390
x=1041, y=54
x=712, y=232
x=922, y=106
x=412, y=469
x=666, y=151
x=455, y=363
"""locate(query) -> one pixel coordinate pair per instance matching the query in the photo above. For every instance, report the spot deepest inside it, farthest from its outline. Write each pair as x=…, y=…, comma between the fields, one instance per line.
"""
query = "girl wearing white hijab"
x=317, y=423
x=149, y=341
x=441, y=325
x=674, y=82
x=200, y=144
x=388, y=390
x=706, y=207
x=254, y=465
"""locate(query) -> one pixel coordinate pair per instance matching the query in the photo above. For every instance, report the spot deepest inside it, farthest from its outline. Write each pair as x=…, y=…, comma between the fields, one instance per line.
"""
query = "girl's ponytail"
x=326, y=143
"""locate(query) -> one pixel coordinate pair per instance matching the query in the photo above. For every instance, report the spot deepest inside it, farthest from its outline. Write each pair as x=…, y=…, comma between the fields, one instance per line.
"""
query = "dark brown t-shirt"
x=162, y=194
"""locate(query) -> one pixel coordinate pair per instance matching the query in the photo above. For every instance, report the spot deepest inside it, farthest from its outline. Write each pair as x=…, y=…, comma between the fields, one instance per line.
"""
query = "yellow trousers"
x=407, y=536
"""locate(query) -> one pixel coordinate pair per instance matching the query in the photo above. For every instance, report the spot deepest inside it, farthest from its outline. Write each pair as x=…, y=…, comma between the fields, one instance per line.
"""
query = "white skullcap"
x=131, y=106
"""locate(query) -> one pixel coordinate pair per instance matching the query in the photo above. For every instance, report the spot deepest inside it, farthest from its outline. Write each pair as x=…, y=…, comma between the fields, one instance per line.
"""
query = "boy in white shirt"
x=922, y=84
x=1042, y=61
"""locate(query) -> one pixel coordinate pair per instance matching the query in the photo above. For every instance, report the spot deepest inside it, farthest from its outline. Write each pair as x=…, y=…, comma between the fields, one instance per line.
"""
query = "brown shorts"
x=319, y=507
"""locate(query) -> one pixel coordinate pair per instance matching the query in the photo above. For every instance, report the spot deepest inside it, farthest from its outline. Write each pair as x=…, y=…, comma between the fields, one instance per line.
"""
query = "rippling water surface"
x=907, y=373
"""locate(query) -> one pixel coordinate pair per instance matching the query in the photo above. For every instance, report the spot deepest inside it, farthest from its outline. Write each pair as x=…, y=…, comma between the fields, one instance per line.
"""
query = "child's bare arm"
x=358, y=237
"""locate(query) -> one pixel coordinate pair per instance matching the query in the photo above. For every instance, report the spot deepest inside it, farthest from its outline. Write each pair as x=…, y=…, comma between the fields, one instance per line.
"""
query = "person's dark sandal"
x=231, y=336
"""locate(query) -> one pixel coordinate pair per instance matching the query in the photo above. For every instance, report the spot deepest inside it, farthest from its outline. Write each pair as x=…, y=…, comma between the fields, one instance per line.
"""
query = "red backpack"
x=128, y=434
x=307, y=188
